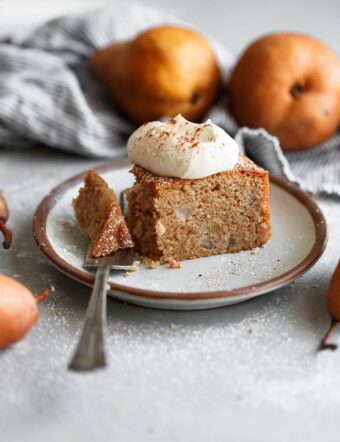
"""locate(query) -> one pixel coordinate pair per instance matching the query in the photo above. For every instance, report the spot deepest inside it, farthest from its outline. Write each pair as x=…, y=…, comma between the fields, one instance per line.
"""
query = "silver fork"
x=90, y=351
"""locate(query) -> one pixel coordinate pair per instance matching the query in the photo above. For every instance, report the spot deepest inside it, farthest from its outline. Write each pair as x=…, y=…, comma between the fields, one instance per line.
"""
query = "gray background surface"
x=244, y=373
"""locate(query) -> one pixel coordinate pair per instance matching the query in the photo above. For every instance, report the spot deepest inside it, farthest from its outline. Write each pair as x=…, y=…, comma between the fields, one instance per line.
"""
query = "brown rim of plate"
x=40, y=236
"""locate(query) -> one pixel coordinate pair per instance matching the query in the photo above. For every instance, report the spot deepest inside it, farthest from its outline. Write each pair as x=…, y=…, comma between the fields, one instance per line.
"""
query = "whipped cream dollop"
x=179, y=148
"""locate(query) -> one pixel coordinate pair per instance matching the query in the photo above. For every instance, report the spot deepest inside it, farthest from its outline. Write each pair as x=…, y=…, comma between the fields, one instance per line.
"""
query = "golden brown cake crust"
x=244, y=165
x=98, y=213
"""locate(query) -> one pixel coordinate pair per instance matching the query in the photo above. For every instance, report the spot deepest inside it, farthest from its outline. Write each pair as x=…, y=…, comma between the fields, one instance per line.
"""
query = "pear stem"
x=43, y=295
x=324, y=345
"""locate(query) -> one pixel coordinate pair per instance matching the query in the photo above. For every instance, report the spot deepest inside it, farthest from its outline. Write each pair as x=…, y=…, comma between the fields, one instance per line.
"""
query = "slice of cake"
x=194, y=194
x=98, y=213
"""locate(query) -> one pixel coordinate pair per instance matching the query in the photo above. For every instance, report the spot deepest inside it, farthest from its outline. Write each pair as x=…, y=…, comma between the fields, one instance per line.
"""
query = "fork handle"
x=90, y=353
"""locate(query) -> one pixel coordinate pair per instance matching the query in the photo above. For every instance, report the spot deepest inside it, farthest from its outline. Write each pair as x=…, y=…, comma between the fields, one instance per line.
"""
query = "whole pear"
x=164, y=71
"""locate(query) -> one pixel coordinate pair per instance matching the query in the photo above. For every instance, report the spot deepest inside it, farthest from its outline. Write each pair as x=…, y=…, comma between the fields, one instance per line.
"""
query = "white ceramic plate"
x=299, y=238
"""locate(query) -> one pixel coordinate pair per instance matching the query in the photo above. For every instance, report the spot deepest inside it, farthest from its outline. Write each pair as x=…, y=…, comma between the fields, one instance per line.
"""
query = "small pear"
x=4, y=215
x=333, y=304
x=164, y=71
x=18, y=310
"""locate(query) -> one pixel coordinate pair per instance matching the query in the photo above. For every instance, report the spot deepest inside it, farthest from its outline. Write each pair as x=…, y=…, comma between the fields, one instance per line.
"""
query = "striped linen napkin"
x=48, y=96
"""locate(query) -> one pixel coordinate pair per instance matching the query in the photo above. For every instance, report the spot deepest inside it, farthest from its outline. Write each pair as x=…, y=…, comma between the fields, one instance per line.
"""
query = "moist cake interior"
x=185, y=219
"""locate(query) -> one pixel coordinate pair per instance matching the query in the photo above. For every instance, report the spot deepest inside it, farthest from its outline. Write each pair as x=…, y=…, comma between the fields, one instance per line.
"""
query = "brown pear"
x=164, y=71
x=290, y=85
x=333, y=304
x=18, y=310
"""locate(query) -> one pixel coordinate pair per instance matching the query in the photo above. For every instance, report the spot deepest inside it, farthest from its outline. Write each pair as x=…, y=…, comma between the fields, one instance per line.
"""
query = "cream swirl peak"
x=179, y=148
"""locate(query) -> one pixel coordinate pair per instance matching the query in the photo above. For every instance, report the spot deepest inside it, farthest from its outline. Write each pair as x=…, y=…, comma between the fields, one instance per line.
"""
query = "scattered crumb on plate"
x=151, y=263
x=173, y=264
x=135, y=266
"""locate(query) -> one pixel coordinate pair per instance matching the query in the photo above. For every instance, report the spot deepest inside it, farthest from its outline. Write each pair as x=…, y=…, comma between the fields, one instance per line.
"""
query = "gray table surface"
x=244, y=373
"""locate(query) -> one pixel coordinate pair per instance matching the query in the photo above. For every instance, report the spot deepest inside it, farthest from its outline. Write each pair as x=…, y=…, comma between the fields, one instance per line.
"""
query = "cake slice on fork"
x=99, y=215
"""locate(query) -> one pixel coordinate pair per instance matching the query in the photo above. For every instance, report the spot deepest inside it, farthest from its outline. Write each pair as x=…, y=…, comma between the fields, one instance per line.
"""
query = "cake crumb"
x=55, y=313
x=173, y=264
x=152, y=264
x=126, y=274
x=135, y=266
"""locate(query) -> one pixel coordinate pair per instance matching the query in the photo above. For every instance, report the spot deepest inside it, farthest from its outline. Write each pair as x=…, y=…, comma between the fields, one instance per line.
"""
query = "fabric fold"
x=49, y=96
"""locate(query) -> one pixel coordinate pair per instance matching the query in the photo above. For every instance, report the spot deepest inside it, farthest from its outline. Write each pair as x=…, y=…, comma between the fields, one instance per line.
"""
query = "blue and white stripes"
x=48, y=95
